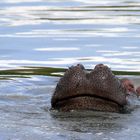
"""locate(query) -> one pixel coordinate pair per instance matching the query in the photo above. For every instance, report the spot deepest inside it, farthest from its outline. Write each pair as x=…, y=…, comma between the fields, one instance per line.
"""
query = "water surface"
x=39, y=40
x=61, y=33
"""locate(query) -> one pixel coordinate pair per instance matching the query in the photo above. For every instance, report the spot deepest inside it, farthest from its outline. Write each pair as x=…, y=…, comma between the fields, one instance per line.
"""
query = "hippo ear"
x=81, y=66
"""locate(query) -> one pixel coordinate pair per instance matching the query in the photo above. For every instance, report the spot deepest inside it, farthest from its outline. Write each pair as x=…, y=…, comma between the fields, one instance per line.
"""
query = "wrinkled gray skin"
x=98, y=90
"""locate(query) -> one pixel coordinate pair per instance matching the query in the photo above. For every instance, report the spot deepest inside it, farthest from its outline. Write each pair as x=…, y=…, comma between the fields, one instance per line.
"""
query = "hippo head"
x=98, y=90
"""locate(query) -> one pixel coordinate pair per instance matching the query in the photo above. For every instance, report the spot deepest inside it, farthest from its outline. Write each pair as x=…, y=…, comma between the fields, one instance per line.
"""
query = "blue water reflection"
x=98, y=31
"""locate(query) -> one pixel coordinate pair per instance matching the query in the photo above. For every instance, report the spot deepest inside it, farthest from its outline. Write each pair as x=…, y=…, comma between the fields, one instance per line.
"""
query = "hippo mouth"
x=87, y=102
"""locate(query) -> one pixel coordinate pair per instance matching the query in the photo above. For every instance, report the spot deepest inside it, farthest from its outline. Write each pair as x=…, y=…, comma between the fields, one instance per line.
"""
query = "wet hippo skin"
x=99, y=90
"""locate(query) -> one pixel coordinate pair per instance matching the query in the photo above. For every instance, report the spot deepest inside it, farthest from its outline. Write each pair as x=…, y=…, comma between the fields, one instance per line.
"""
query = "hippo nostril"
x=100, y=65
x=81, y=66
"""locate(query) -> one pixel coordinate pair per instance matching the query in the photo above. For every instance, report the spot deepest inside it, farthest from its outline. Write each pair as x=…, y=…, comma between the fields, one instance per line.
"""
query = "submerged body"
x=98, y=90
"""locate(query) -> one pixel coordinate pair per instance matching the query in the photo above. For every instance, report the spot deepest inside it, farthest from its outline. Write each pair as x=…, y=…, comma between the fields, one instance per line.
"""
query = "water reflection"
x=89, y=62
x=119, y=53
x=57, y=49
x=84, y=14
x=61, y=33
x=113, y=32
x=83, y=121
x=28, y=72
x=130, y=48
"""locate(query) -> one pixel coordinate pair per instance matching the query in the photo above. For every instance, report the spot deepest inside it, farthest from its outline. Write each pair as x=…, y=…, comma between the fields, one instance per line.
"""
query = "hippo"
x=98, y=90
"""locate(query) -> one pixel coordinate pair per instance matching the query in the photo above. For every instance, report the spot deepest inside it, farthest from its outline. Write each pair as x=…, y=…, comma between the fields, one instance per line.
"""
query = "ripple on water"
x=52, y=29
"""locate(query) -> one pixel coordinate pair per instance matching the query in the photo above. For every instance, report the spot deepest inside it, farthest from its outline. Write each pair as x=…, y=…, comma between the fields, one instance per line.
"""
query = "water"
x=38, y=39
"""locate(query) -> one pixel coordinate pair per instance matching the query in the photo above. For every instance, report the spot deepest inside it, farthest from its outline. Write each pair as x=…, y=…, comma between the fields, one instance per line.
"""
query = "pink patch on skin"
x=138, y=91
x=128, y=84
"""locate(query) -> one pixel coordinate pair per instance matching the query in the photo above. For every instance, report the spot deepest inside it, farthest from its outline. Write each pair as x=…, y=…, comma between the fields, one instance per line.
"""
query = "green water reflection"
x=47, y=71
